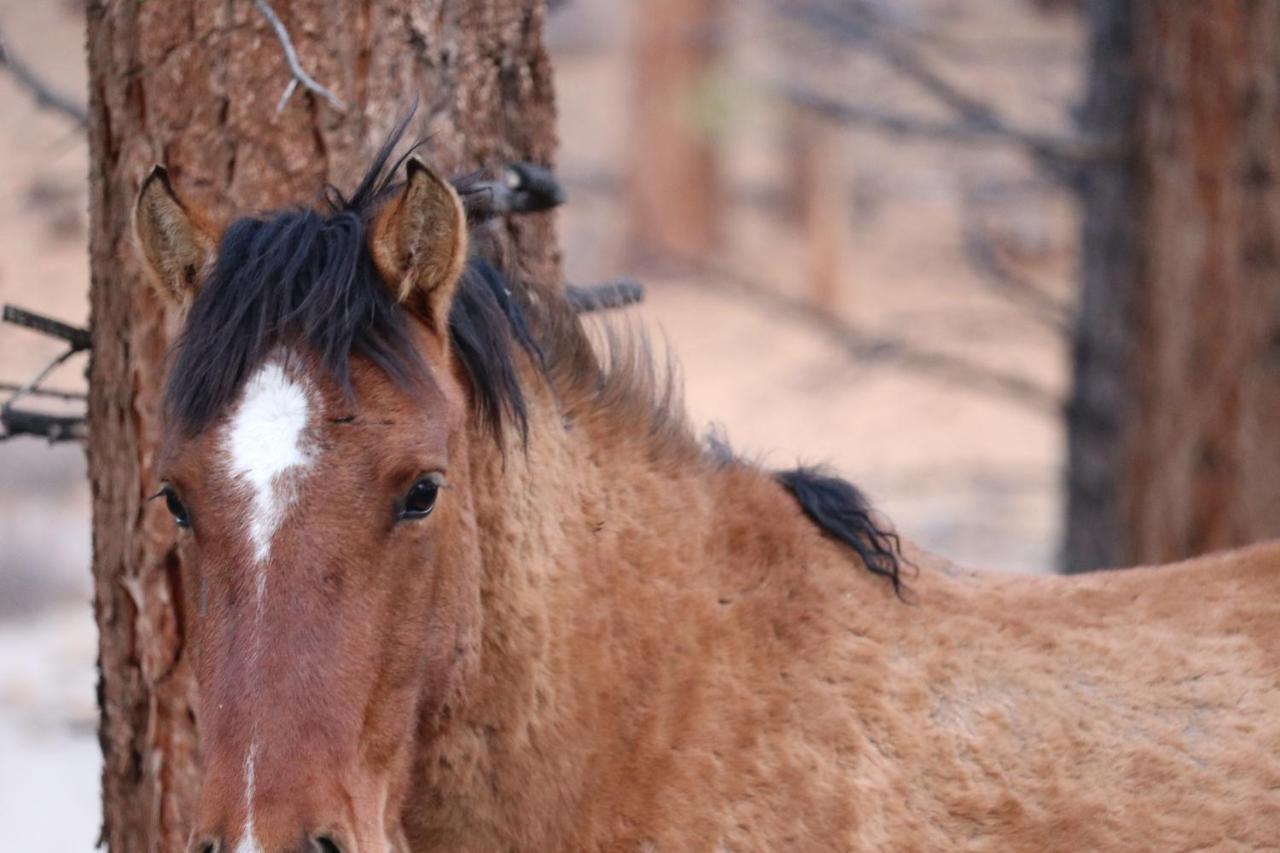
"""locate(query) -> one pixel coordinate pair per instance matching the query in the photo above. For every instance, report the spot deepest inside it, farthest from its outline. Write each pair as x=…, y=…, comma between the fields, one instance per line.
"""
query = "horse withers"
x=455, y=581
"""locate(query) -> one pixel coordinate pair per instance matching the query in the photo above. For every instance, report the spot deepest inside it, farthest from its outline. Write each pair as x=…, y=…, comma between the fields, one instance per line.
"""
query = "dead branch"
x=44, y=94
x=856, y=24
x=1001, y=277
x=54, y=428
x=619, y=293
x=519, y=188
x=1059, y=148
x=868, y=347
x=15, y=421
x=300, y=76
x=77, y=337
x=34, y=384
x=49, y=393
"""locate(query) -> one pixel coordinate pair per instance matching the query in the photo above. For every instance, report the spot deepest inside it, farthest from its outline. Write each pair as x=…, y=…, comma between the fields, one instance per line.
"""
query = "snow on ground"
x=49, y=757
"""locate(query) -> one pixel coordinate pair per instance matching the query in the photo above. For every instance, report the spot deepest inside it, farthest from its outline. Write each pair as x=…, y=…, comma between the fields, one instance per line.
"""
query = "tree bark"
x=1186, y=460
x=1098, y=409
x=194, y=85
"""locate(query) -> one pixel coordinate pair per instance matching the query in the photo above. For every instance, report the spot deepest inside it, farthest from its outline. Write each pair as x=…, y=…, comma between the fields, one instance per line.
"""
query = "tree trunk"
x=1187, y=459
x=673, y=175
x=195, y=85
x=1098, y=411
x=816, y=201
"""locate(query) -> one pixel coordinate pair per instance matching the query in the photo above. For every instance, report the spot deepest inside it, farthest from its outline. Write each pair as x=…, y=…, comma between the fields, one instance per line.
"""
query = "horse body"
x=685, y=662
x=610, y=635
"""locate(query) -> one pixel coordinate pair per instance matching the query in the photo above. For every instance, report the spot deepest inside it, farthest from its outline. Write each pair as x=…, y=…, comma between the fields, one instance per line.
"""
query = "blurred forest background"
x=902, y=238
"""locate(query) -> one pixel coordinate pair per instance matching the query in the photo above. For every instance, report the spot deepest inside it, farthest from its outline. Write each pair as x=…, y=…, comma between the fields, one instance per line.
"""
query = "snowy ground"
x=49, y=754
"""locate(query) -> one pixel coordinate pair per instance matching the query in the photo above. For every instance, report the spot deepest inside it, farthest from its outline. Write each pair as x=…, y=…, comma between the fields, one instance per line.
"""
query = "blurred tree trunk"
x=1098, y=412
x=195, y=85
x=1172, y=448
x=673, y=191
x=816, y=200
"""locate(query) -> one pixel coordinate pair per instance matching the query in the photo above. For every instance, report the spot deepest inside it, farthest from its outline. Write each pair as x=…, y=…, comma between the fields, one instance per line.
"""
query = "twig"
x=855, y=23
x=619, y=293
x=77, y=337
x=1058, y=148
x=300, y=76
x=34, y=384
x=1000, y=276
x=16, y=421
x=51, y=393
x=52, y=427
x=519, y=188
x=869, y=347
x=45, y=96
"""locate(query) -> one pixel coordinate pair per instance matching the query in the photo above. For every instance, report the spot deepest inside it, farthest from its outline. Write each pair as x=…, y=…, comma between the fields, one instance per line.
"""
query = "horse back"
x=1117, y=710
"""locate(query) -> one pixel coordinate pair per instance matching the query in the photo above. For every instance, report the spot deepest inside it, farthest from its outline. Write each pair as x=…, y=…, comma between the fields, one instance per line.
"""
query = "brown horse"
x=456, y=582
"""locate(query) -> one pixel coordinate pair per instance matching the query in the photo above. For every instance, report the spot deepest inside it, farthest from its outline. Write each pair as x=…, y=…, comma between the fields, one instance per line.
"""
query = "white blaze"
x=248, y=841
x=266, y=442
x=268, y=453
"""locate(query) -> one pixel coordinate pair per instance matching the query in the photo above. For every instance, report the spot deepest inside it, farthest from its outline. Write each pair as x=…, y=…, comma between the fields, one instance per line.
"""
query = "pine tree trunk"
x=1186, y=459
x=195, y=85
x=1098, y=412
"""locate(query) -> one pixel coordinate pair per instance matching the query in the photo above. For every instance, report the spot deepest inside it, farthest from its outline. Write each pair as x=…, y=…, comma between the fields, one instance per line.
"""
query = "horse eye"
x=176, y=508
x=420, y=499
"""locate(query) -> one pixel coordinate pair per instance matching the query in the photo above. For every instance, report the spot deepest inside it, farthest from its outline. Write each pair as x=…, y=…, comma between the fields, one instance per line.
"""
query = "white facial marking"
x=249, y=841
x=268, y=453
x=266, y=442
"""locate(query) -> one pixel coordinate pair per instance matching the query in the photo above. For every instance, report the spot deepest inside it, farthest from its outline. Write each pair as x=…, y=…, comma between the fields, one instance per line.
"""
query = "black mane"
x=306, y=278
x=843, y=513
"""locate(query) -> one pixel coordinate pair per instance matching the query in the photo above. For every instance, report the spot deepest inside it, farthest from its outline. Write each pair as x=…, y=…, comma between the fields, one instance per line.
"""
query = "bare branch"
x=50, y=393
x=300, y=76
x=16, y=422
x=74, y=335
x=45, y=96
x=619, y=293
x=856, y=24
x=869, y=347
x=34, y=384
x=1000, y=276
x=1058, y=148
x=519, y=188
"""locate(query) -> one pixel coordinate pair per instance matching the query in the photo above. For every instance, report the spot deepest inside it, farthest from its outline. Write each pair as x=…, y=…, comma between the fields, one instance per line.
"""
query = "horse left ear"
x=176, y=244
x=419, y=243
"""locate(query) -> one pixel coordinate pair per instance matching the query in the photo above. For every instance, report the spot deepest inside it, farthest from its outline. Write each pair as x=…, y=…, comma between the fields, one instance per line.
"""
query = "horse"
x=459, y=576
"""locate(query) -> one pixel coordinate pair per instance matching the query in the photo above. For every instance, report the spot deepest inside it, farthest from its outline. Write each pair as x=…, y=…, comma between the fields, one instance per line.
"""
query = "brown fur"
x=419, y=240
x=176, y=243
x=615, y=640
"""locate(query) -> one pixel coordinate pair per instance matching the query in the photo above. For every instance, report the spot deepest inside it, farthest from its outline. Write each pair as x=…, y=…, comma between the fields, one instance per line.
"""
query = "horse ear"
x=419, y=242
x=175, y=244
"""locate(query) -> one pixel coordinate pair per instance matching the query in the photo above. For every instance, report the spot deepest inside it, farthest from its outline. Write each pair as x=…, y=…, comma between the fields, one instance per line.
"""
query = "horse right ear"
x=176, y=245
x=419, y=243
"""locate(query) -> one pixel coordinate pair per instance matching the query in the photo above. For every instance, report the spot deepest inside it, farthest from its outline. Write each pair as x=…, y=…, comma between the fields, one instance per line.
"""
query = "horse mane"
x=842, y=512
x=306, y=277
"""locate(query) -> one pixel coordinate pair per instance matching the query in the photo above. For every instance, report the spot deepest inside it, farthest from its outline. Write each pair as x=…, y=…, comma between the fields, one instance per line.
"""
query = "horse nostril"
x=208, y=845
x=325, y=844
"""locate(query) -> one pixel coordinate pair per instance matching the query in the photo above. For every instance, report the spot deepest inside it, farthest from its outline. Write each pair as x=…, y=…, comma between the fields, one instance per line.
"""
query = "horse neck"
x=571, y=522
x=593, y=539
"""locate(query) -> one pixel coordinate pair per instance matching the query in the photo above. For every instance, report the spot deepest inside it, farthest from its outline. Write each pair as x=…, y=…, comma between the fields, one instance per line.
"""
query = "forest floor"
x=971, y=474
